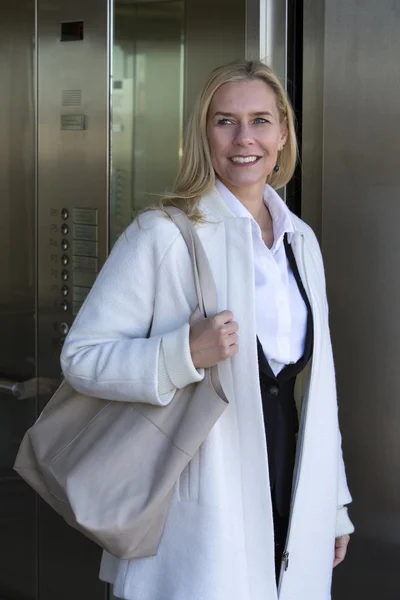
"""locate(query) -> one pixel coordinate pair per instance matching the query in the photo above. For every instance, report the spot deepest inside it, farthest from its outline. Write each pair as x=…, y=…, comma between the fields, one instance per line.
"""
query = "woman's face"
x=245, y=134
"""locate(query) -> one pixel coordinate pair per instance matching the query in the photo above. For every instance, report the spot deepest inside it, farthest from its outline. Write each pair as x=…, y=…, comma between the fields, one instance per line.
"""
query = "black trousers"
x=280, y=531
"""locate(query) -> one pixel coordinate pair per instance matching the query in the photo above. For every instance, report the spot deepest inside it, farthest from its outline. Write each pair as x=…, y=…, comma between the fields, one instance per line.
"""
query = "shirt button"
x=273, y=390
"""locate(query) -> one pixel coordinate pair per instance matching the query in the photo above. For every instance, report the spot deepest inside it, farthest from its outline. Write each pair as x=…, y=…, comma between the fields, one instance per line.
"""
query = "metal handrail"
x=8, y=386
x=23, y=390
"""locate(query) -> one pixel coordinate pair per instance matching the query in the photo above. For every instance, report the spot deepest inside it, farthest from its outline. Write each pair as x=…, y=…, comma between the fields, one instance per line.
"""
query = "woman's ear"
x=284, y=135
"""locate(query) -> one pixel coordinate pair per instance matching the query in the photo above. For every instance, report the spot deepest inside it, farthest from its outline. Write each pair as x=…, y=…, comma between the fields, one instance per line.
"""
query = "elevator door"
x=360, y=241
x=40, y=557
x=72, y=173
x=18, y=534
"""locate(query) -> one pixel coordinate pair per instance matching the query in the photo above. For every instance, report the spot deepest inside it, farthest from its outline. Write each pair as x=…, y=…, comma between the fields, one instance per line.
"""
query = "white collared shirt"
x=281, y=314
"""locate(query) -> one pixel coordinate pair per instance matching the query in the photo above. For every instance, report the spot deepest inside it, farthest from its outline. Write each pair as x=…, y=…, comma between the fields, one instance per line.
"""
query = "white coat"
x=218, y=543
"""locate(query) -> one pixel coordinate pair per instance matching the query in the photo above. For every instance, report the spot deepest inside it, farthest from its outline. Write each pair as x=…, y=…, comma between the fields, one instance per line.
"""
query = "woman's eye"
x=223, y=122
x=260, y=120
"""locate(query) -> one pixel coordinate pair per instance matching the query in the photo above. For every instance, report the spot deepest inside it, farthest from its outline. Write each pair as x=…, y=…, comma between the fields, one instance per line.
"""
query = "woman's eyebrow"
x=259, y=113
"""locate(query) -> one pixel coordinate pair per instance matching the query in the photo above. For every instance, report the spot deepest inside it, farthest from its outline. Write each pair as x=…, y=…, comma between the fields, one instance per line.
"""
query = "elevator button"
x=64, y=213
x=64, y=328
x=65, y=290
x=64, y=244
x=62, y=340
x=64, y=305
x=64, y=229
x=64, y=275
x=64, y=260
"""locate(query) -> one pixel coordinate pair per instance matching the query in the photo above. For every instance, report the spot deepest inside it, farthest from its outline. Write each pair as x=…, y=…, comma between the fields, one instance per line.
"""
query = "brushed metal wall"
x=359, y=216
x=18, y=533
x=73, y=157
x=17, y=188
x=55, y=231
x=147, y=105
x=215, y=33
x=312, y=116
x=162, y=52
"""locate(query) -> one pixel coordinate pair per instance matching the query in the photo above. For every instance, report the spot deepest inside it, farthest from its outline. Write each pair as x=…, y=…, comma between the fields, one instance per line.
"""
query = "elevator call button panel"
x=79, y=245
x=85, y=216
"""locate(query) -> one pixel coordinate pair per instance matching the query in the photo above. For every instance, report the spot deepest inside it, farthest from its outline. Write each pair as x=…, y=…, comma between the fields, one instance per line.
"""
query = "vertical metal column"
x=73, y=162
x=266, y=34
x=312, y=113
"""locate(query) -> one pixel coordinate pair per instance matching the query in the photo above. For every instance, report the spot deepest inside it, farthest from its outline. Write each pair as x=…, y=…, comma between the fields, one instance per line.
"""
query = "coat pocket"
x=189, y=480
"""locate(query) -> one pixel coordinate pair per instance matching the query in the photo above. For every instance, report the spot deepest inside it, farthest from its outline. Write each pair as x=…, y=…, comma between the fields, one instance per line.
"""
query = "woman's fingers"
x=233, y=338
x=341, y=544
x=214, y=339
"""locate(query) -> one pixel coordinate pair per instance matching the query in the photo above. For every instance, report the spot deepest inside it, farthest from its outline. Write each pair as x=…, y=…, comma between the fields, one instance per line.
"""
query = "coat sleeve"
x=343, y=524
x=107, y=352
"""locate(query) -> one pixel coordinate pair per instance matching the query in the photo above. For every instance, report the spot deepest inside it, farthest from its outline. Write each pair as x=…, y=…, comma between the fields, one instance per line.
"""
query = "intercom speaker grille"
x=71, y=97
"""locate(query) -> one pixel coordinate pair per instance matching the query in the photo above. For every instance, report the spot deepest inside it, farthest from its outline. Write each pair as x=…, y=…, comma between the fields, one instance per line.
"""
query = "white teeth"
x=244, y=159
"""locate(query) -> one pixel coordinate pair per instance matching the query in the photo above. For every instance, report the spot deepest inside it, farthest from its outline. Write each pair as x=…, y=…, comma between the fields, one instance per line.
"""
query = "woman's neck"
x=252, y=198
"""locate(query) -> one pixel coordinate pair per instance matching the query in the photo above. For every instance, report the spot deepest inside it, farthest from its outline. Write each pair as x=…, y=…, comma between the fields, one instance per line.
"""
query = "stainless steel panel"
x=17, y=188
x=85, y=216
x=147, y=104
x=215, y=33
x=84, y=248
x=168, y=45
x=312, y=117
x=360, y=216
x=255, y=29
x=274, y=49
x=18, y=533
x=72, y=122
x=84, y=279
x=73, y=82
x=85, y=232
x=266, y=34
x=273, y=42
x=72, y=164
x=84, y=264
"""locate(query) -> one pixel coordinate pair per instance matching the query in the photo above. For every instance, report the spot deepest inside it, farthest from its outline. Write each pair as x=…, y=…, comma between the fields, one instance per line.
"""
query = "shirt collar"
x=281, y=220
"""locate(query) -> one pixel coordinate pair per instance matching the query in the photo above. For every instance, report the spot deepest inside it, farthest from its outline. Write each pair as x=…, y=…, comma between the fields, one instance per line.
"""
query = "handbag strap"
x=206, y=290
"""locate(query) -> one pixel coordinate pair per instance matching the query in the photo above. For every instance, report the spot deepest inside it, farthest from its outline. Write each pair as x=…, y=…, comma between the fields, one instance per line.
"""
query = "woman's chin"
x=244, y=181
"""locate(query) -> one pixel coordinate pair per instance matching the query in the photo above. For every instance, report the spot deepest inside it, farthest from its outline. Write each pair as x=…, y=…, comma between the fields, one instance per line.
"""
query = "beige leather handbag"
x=110, y=468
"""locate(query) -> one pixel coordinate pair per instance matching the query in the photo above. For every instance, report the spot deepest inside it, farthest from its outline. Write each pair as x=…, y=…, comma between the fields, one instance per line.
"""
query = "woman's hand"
x=212, y=340
x=341, y=544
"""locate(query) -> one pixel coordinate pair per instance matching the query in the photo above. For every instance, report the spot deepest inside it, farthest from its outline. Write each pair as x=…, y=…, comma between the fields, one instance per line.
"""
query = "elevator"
x=94, y=97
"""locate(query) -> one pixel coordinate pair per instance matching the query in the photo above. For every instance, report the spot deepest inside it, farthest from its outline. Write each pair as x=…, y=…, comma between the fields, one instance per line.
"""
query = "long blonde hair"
x=196, y=175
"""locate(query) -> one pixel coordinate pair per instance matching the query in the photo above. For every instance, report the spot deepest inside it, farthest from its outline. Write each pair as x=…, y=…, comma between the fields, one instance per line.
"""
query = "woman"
x=237, y=529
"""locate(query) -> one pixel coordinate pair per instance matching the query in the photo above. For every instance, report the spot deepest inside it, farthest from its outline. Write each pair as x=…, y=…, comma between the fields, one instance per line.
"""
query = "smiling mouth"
x=244, y=160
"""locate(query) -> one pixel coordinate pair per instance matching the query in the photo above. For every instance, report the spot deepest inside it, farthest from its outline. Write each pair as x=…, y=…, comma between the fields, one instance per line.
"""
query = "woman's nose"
x=243, y=135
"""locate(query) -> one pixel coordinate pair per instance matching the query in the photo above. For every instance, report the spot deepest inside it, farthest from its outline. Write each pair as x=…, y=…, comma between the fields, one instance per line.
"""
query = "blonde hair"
x=196, y=175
